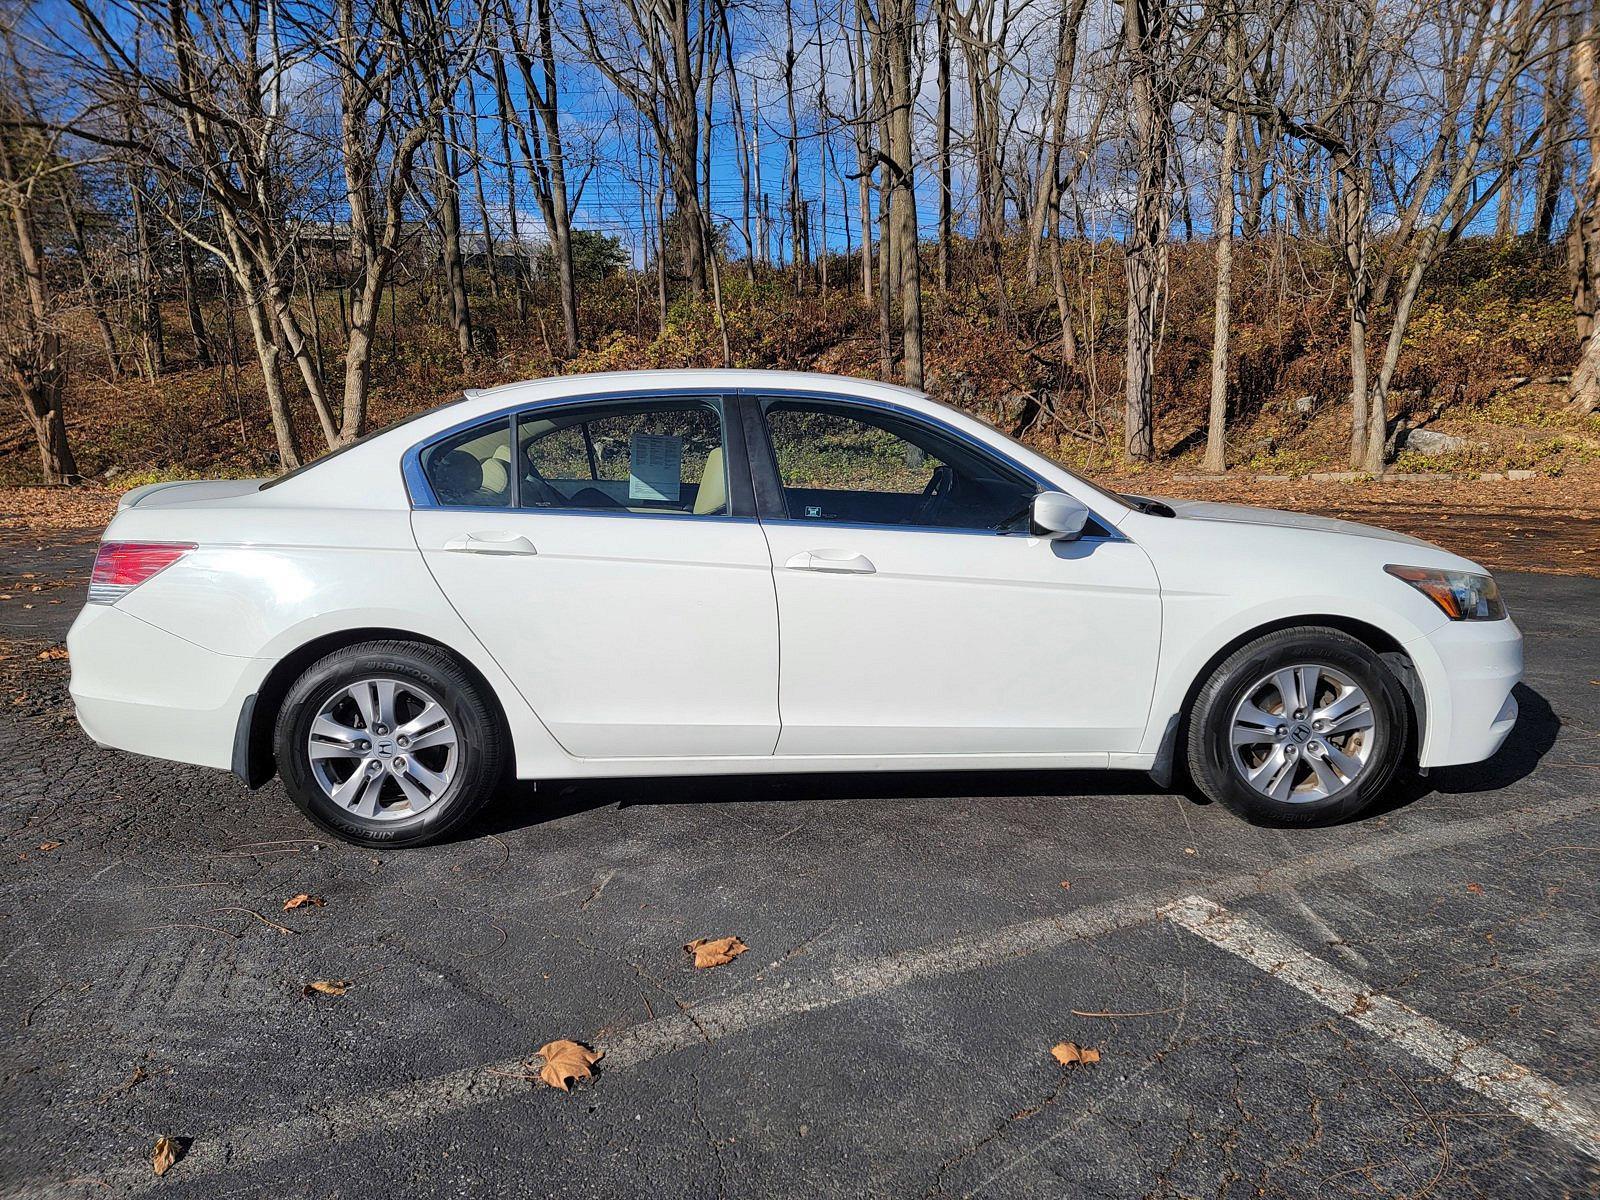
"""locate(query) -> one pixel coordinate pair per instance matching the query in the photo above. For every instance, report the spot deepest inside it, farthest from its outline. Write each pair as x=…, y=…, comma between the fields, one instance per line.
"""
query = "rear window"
x=360, y=441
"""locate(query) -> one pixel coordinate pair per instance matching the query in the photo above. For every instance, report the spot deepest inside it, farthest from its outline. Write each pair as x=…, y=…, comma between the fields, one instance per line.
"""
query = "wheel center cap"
x=1301, y=733
x=385, y=747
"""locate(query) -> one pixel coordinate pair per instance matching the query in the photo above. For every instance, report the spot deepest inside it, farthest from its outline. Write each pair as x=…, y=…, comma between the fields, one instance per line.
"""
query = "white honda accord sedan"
x=674, y=573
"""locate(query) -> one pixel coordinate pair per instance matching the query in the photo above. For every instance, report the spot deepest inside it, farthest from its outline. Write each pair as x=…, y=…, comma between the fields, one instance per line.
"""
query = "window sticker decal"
x=655, y=466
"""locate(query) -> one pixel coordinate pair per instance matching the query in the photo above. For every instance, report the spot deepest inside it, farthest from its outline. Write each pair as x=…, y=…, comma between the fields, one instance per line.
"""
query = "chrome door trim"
x=422, y=497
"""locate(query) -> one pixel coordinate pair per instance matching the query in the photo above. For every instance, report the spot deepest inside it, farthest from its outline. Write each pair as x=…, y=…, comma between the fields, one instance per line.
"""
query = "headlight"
x=1460, y=595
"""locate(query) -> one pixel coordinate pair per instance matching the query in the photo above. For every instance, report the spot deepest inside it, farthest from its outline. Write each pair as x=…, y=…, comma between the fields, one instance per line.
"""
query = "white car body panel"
x=631, y=636
x=963, y=642
x=957, y=650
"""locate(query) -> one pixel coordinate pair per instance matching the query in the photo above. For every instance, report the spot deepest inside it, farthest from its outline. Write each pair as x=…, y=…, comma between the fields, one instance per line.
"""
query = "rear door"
x=918, y=616
x=607, y=556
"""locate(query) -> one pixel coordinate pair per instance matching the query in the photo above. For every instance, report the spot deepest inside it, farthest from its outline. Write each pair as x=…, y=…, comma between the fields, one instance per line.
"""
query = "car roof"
x=488, y=400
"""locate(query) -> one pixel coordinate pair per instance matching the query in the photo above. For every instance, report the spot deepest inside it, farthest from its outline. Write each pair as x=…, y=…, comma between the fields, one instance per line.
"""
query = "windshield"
x=360, y=441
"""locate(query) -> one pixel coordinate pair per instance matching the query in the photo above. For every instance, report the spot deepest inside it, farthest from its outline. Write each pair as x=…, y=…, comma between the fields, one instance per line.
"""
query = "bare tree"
x=30, y=340
x=1147, y=33
x=1585, y=235
x=1216, y=458
x=656, y=56
x=547, y=155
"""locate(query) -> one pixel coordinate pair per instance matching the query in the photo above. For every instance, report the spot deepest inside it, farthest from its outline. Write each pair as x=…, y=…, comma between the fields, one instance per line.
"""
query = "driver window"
x=838, y=463
x=641, y=457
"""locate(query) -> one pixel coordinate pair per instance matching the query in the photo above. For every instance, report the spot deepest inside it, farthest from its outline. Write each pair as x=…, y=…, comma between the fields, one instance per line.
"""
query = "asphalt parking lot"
x=1408, y=1005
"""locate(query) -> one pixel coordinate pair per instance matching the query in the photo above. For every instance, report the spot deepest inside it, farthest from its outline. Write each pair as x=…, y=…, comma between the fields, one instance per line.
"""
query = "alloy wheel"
x=1302, y=733
x=383, y=748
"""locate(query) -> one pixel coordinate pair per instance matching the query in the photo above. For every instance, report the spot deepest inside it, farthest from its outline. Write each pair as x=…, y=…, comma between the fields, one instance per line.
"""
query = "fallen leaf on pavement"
x=327, y=987
x=1475, y=888
x=1065, y=884
x=1070, y=1054
x=714, y=952
x=49, y=846
x=168, y=1150
x=52, y=654
x=564, y=1060
x=294, y=902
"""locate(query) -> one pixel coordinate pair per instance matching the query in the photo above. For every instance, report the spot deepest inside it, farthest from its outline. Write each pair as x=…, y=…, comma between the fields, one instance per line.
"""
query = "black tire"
x=479, y=769
x=1210, y=752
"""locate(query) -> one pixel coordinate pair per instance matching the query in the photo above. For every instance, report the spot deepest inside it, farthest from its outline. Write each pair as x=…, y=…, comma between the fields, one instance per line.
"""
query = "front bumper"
x=136, y=687
x=1468, y=670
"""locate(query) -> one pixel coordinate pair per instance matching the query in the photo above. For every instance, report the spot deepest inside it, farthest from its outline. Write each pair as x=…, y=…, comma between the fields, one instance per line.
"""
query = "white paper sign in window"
x=655, y=466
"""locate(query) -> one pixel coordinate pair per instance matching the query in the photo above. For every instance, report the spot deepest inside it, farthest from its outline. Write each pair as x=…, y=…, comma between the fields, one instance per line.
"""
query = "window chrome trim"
x=1112, y=534
x=892, y=527
x=421, y=493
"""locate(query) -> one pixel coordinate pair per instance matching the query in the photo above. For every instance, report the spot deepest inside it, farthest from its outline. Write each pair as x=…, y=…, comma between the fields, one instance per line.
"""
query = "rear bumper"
x=136, y=687
x=1468, y=670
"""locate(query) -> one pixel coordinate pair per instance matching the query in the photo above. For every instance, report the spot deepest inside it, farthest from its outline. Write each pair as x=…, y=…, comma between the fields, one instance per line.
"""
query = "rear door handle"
x=836, y=562
x=491, y=543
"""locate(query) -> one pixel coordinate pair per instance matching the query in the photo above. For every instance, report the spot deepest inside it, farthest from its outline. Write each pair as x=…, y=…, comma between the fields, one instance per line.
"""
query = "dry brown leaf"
x=1066, y=884
x=53, y=654
x=1070, y=1054
x=714, y=952
x=294, y=902
x=49, y=846
x=168, y=1150
x=328, y=987
x=564, y=1060
x=1475, y=888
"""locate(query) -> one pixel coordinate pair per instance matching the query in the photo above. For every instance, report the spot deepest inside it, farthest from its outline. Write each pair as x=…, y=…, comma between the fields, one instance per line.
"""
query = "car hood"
x=1244, y=514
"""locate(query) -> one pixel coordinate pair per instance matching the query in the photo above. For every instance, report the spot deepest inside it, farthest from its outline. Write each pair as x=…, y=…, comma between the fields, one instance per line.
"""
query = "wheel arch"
x=1383, y=643
x=253, y=759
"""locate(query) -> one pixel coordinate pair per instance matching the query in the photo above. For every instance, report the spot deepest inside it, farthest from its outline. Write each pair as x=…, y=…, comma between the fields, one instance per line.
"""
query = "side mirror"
x=1057, y=516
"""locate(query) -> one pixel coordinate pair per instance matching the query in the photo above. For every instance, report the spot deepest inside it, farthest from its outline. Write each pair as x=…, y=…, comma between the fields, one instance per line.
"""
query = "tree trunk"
x=902, y=97
x=863, y=132
x=560, y=204
x=447, y=212
x=33, y=354
x=946, y=215
x=1217, y=426
x=1557, y=118
x=1585, y=248
x=191, y=299
x=147, y=303
x=1145, y=248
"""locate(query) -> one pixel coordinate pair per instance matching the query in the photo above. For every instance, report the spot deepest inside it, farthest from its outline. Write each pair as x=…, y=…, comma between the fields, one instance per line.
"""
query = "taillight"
x=122, y=566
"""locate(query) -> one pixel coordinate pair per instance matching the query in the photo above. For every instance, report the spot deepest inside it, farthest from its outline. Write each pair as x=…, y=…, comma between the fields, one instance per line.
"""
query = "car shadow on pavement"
x=526, y=803
x=1530, y=740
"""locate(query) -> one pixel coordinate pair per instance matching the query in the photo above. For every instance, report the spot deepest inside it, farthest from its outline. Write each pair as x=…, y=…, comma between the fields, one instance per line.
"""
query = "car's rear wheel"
x=1301, y=726
x=388, y=744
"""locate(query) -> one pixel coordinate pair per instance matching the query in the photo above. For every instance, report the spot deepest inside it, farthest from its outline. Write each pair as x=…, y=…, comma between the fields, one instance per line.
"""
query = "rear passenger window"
x=472, y=469
x=662, y=456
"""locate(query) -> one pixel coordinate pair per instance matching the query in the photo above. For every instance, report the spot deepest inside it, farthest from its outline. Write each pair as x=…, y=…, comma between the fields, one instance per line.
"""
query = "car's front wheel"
x=388, y=743
x=1301, y=726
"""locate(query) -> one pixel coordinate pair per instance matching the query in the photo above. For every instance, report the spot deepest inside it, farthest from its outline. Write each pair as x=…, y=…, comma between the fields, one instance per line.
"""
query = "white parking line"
x=1535, y=1099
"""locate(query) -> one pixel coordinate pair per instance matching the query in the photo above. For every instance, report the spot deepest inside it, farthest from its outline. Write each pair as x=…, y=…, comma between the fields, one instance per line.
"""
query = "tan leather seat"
x=497, y=474
x=713, y=494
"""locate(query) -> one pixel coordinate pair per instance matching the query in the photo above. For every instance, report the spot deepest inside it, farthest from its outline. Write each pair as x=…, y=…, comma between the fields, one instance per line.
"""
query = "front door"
x=917, y=614
x=594, y=551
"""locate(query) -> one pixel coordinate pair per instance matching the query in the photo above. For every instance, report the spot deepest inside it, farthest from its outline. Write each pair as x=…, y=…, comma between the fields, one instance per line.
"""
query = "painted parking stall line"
x=1535, y=1099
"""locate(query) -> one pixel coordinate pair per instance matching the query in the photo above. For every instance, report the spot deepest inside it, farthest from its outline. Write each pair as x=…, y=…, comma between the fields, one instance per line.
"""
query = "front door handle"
x=491, y=543
x=836, y=562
